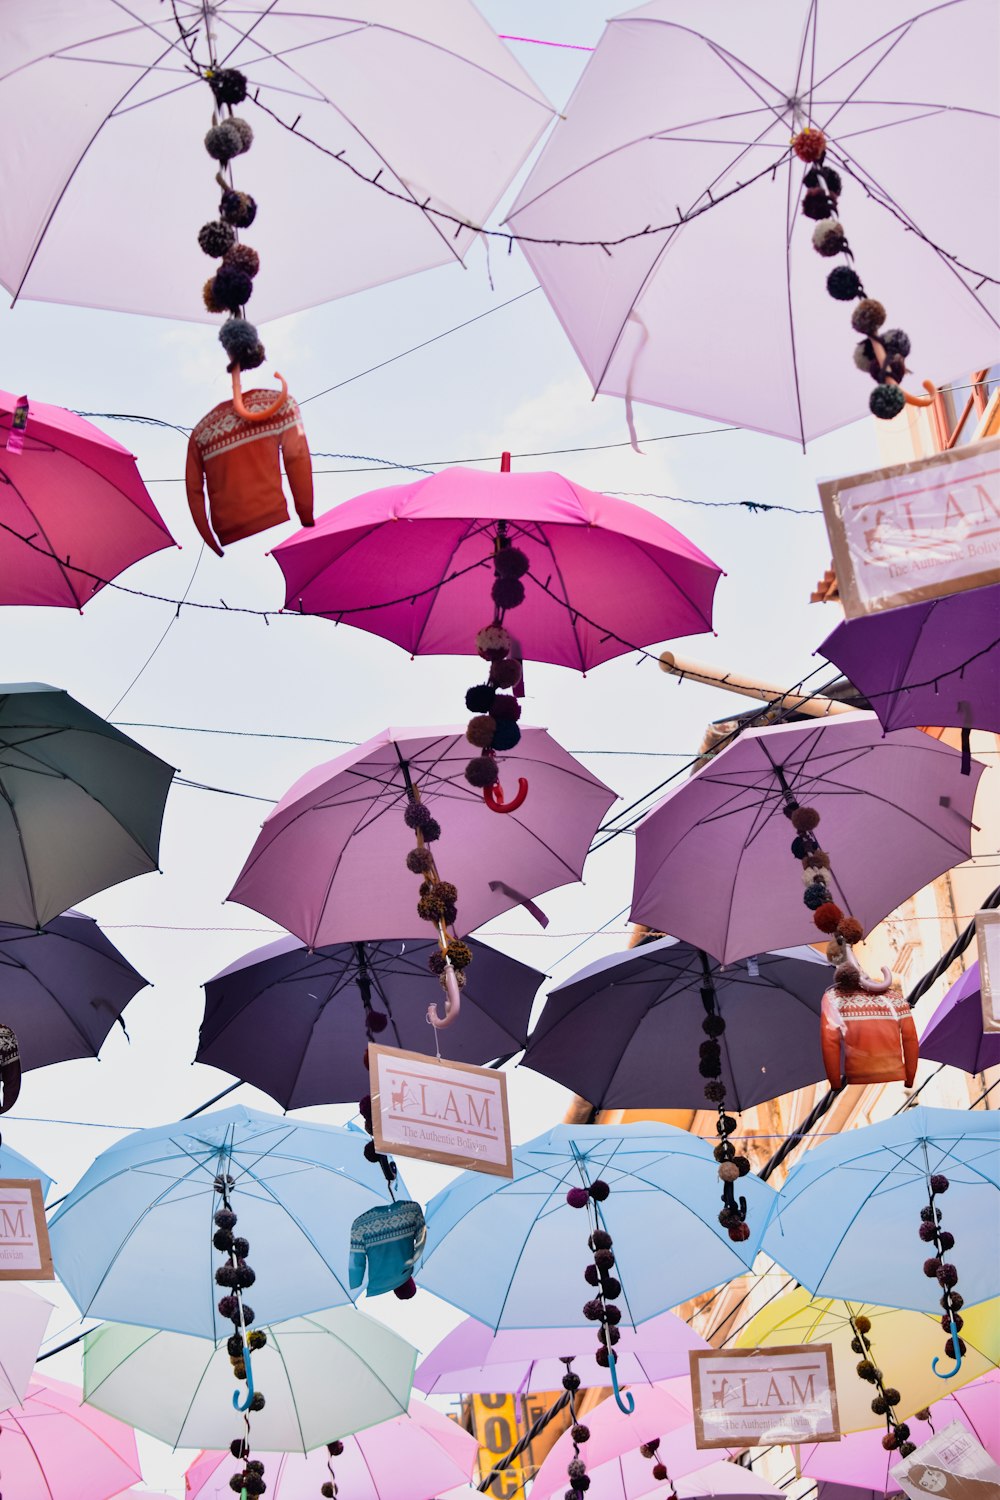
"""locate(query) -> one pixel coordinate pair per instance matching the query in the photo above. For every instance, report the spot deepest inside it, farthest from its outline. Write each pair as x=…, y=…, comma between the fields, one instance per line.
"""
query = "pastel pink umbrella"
x=474, y=1358
x=861, y=1461
x=414, y=563
x=409, y=1458
x=53, y=1446
x=624, y=1480
x=74, y=512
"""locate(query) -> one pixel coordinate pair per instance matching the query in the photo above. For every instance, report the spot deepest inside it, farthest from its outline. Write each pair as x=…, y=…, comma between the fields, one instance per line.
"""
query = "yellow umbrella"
x=903, y=1345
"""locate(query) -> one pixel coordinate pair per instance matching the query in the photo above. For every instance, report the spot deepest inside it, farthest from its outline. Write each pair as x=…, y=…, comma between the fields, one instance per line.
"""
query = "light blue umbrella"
x=133, y=1240
x=13, y=1164
x=846, y=1222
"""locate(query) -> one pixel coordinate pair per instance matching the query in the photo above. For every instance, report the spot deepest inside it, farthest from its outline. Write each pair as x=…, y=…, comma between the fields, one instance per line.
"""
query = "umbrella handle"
x=242, y=410
x=949, y=1374
x=910, y=399
x=626, y=1403
x=452, y=1004
x=237, y=1403
x=493, y=797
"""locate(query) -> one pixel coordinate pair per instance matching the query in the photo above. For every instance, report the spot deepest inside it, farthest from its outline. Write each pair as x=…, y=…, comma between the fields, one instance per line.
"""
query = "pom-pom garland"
x=887, y=1398
x=235, y=1272
x=495, y=728
x=937, y=1268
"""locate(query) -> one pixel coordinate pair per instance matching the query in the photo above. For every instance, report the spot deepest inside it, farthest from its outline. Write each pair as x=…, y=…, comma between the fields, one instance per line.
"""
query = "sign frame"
x=422, y=1066
x=45, y=1270
x=772, y=1353
x=987, y=937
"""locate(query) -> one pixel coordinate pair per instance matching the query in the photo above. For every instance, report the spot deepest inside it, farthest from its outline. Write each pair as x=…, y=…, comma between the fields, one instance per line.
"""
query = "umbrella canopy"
x=683, y=119
x=54, y=1446
x=323, y=1376
x=330, y=861
x=955, y=1031
x=625, y=1031
x=298, y=1188
x=292, y=1022
x=866, y=1188
x=474, y=1358
x=637, y=578
x=13, y=1164
x=860, y=1460
x=616, y=1468
x=81, y=804
x=62, y=988
x=409, y=1458
x=896, y=813
x=932, y=663
x=904, y=1343
x=428, y=101
x=630, y=1477
x=24, y=1317
x=76, y=496
x=530, y=1246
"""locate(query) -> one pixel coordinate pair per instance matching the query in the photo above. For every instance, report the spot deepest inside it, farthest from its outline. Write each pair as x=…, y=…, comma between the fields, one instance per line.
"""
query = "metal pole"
x=815, y=705
x=536, y=1427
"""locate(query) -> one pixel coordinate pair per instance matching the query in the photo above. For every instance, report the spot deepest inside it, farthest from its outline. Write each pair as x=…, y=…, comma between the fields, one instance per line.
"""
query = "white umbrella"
x=24, y=1317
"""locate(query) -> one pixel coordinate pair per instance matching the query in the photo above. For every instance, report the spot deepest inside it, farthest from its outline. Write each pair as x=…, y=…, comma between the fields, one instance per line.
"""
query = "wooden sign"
x=440, y=1111
x=744, y=1397
x=988, y=943
x=917, y=530
x=25, y=1254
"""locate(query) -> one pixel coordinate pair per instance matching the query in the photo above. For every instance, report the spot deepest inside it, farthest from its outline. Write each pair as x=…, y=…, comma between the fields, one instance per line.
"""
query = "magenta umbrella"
x=73, y=511
x=474, y=1358
x=54, y=1446
x=955, y=1031
x=329, y=863
x=604, y=575
x=408, y=1458
x=713, y=861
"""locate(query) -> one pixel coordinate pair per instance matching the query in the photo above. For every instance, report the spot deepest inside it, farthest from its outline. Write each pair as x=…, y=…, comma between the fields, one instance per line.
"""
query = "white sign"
x=24, y=1237
x=917, y=530
x=988, y=943
x=440, y=1111
x=953, y=1464
x=743, y=1397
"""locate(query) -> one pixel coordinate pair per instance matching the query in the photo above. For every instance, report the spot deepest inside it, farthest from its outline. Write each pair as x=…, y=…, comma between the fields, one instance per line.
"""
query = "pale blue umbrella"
x=13, y=1164
x=133, y=1240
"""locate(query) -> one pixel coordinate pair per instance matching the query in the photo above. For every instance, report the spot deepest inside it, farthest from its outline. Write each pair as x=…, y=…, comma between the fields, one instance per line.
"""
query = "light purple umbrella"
x=703, y=292
x=474, y=1358
x=955, y=1031
x=630, y=1477
x=329, y=863
x=713, y=860
x=935, y=663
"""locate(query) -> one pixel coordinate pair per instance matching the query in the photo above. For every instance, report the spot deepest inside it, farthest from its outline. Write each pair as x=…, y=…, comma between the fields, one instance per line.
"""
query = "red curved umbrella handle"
x=242, y=410
x=452, y=1004
x=493, y=797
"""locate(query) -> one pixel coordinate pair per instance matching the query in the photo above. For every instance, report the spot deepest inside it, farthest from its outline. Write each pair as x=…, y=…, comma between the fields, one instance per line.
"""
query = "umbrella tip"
x=505, y=463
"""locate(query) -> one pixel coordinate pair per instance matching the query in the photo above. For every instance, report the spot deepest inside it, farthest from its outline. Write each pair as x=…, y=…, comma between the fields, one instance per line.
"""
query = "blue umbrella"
x=133, y=1240
x=13, y=1164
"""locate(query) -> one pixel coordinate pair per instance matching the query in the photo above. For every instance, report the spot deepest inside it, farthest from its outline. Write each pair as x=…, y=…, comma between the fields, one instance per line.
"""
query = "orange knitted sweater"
x=240, y=462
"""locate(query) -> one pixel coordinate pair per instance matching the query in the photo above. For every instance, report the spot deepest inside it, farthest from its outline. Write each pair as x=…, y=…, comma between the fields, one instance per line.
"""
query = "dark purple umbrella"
x=955, y=1031
x=62, y=988
x=625, y=1032
x=292, y=1022
x=936, y=663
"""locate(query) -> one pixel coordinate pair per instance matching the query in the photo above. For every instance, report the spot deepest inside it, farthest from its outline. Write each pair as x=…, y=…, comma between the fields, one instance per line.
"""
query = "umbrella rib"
x=791, y=199
x=35, y=1453
x=567, y=1168
x=5, y=795
x=902, y=33
x=291, y=1387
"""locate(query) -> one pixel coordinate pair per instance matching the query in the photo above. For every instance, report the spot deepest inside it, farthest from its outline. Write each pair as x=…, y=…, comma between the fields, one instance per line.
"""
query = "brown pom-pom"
x=850, y=930
x=846, y=981
x=817, y=860
x=809, y=144
x=505, y=708
x=805, y=819
x=459, y=953
x=482, y=772
x=418, y=861
x=506, y=673
x=868, y=316
x=863, y=1324
x=659, y=1471
x=481, y=730
x=209, y=298
x=828, y=916
x=243, y=258
x=729, y=1171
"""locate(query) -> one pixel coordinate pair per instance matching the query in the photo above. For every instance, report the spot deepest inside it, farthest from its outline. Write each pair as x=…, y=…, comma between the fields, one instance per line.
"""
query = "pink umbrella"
x=330, y=861
x=713, y=860
x=73, y=511
x=630, y=1478
x=54, y=1446
x=861, y=1461
x=409, y=1458
x=634, y=577
x=474, y=1358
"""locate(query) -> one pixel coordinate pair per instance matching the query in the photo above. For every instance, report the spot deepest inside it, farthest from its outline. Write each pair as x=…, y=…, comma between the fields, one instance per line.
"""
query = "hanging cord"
x=897, y=1433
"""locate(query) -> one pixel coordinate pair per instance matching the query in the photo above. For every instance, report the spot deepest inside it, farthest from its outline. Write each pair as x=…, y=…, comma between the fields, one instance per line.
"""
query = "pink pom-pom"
x=577, y=1197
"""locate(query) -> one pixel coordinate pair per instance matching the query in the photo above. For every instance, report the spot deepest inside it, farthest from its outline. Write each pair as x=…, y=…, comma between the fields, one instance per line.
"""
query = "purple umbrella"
x=329, y=863
x=955, y=1031
x=62, y=988
x=474, y=1358
x=625, y=1032
x=713, y=862
x=292, y=1022
x=934, y=663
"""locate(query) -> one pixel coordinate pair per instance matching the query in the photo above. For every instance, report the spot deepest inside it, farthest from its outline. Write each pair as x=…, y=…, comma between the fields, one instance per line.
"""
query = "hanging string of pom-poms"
x=660, y=1472
x=603, y=1308
x=944, y=1272
x=882, y=355
x=328, y=1489
x=732, y=1167
x=887, y=1398
x=235, y=1275
x=437, y=904
x=494, y=728
x=576, y=1469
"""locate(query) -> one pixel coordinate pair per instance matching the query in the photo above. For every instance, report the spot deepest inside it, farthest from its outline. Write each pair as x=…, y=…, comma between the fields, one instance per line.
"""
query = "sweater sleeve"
x=911, y=1048
x=194, y=483
x=298, y=467
x=830, y=1034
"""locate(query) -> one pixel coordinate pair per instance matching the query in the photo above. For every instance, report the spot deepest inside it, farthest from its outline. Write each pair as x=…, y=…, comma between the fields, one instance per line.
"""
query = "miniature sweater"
x=391, y=1238
x=875, y=1034
x=240, y=462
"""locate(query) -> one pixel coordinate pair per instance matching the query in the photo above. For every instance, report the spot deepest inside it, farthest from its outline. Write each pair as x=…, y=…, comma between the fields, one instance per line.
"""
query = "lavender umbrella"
x=292, y=1022
x=932, y=663
x=955, y=1031
x=625, y=1032
x=713, y=862
x=62, y=988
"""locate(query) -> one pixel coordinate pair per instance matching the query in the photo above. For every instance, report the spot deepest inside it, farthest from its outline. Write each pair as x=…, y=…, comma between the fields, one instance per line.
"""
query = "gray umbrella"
x=293, y=1022
x=625, y=1032
x=62, y=989
x=80, y=804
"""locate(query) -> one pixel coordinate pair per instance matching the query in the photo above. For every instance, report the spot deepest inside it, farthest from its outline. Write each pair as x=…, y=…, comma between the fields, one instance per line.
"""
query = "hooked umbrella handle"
x=241, y=408
x=237, y=1403
x=626, y=1402
x=956, y=1346
x=452, y=1004
x=494, y=798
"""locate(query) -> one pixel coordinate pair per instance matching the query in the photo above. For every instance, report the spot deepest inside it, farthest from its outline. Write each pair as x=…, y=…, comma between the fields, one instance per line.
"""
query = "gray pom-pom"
x=896, y=342
x=864, y=357
x=244, y=130
x=241, y=342
x=829, y=237
x=224, y=141
x=886, y=402
x=216, y=238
